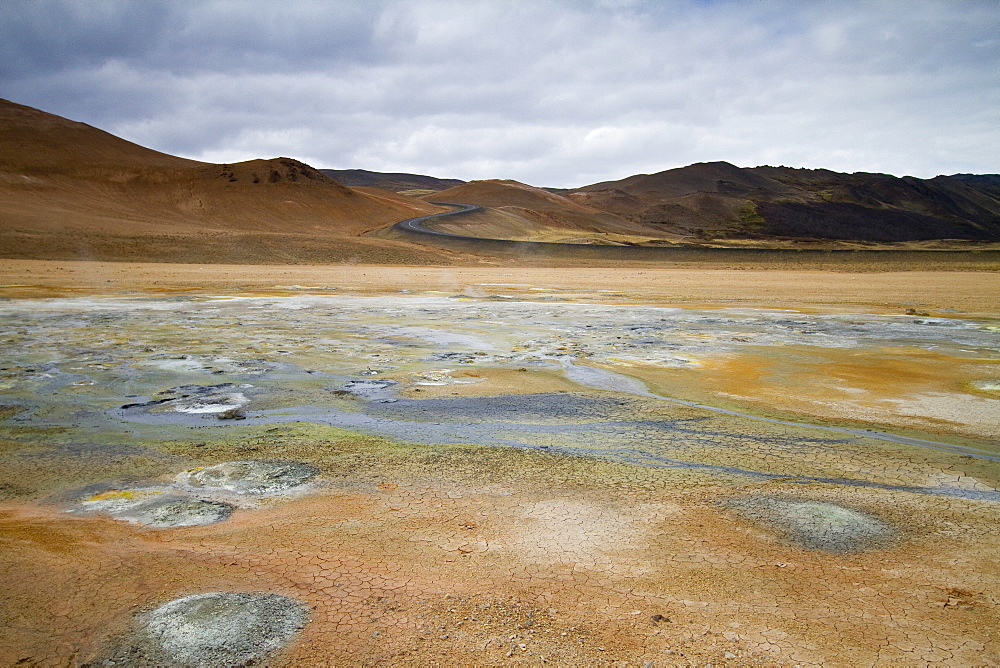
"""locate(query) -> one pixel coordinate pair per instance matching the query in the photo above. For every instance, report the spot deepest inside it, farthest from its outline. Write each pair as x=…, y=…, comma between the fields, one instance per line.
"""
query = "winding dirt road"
x=416, y=227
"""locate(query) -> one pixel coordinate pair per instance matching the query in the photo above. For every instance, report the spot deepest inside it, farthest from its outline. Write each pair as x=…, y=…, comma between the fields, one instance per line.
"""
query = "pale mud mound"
x=586, y=535
x=180, y=512
x=225, y=401
x=195, y=399
x=213, y=629
x=157, y=508
x=249, y=476
x=817, y=525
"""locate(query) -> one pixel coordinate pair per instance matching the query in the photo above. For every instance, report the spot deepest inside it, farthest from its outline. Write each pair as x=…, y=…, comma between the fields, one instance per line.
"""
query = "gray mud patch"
x=380, y=389
x=156, y=507
x=180, y=505
x=817, y=525
x=538, y=408
x=179, y=512
x=213, y=629
x=249, y=476
x=197, y=399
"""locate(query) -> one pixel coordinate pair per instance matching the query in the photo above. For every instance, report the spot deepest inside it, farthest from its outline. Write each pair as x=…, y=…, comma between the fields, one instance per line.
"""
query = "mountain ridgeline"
x=720, y=200
x=73, y=191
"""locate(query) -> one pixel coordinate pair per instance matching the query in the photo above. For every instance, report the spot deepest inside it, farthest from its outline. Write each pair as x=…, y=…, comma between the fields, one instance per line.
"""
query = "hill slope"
x=523, y=212
x=721, y=200
x=72, y=191
x=397, y=182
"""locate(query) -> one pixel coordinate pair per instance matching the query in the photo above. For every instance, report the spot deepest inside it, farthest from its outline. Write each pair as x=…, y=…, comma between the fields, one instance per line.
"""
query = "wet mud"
x=427, y=480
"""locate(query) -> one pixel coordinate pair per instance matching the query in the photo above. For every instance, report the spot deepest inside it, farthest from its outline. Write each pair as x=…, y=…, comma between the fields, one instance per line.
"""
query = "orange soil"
x=425, y=571
x=511, y=557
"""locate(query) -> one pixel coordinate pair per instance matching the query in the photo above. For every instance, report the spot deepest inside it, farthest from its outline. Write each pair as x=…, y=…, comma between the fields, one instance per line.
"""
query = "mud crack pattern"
x=419, y=480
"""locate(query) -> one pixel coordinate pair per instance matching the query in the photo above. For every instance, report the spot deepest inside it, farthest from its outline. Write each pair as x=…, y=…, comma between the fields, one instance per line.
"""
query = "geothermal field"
x=416, y=466
x=631, y=333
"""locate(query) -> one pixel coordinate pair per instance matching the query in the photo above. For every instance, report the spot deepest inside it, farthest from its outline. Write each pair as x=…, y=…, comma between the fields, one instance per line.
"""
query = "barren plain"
x=380, y=465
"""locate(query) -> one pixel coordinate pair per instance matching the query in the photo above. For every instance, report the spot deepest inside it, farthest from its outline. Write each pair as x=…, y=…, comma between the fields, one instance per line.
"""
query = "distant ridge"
x=987, y=182
x=68, y=191
x=394, y=181
x=721, y=200
x=516, y=210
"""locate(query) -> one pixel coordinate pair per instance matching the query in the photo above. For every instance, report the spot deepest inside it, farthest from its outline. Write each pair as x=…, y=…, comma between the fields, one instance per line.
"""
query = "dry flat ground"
x=559, y=562
x=473, y=555
x=878, y=292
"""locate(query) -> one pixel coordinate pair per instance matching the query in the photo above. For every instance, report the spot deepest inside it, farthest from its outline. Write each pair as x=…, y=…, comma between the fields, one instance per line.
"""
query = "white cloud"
x=552, y=92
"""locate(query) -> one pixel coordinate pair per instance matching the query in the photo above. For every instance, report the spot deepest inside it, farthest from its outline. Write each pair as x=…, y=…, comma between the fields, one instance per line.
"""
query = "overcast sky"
x=554, y=93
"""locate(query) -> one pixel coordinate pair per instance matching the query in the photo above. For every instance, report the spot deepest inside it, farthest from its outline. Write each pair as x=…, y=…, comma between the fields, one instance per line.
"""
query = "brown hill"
x=36, y=141
x=72, y=191
x=712, y=177
x=724, y=201
x=397, y=182
x=519, y=211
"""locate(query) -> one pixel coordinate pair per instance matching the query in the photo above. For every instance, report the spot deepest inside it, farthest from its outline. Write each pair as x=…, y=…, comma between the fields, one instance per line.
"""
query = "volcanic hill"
x=71, y=191
x=717, y=200
x=397, y=182
x=519, y=211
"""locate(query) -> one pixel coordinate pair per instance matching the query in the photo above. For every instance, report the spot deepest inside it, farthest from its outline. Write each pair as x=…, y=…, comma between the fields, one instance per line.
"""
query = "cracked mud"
x=419, y=479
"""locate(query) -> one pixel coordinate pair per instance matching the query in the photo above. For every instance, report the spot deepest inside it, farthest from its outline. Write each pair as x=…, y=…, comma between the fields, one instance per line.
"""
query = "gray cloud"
x=552, y=92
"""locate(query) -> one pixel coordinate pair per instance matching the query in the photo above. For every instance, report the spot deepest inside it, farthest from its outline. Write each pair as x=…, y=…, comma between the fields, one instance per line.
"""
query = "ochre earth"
x=465, y=555
x=865, y=290
x=415, y=569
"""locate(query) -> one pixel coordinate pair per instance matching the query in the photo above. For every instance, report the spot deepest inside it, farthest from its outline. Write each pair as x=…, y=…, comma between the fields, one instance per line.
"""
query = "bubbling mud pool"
x=315, y=447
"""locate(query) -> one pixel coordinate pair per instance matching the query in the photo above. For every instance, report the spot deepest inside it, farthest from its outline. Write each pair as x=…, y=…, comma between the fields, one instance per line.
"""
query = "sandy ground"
x=882, y=292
